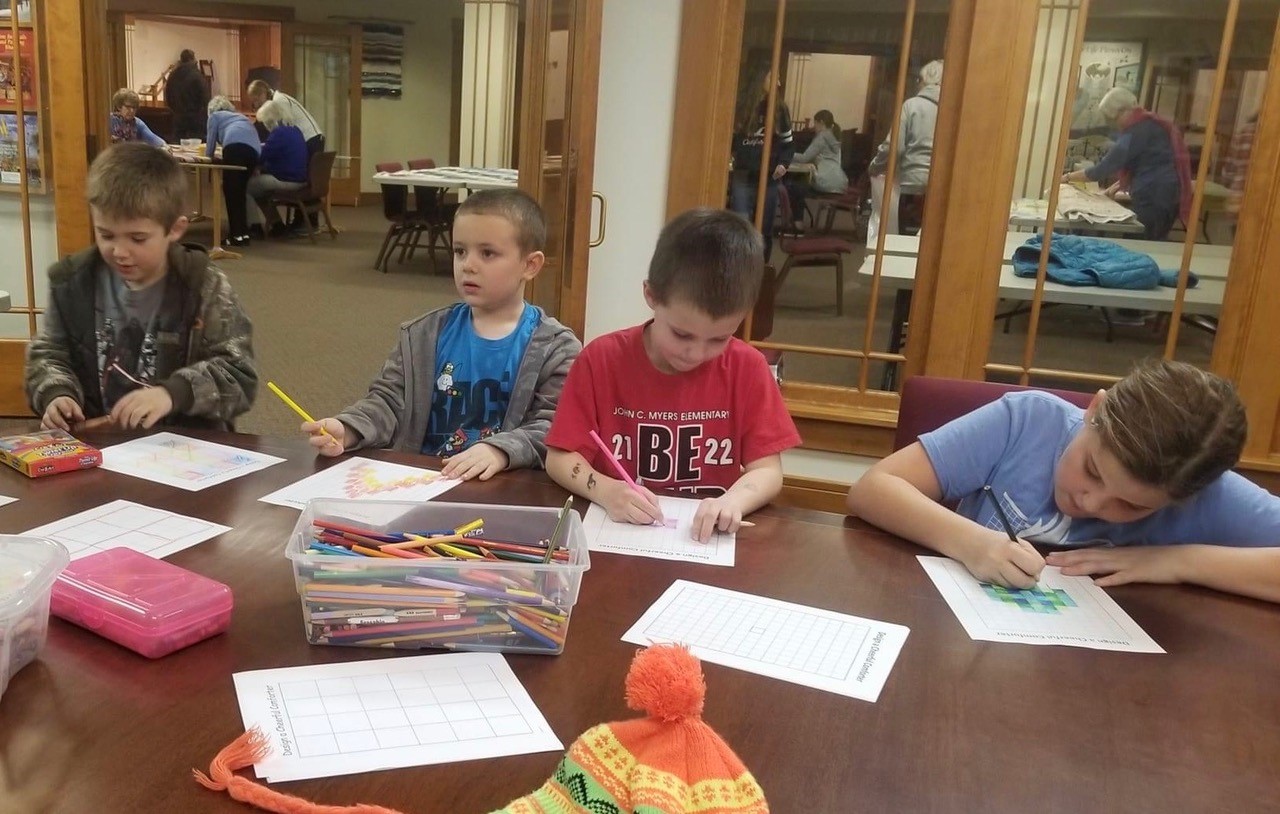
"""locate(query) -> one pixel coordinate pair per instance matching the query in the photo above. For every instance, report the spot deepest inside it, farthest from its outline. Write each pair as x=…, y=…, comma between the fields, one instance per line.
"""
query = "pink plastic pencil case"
x=150, y=606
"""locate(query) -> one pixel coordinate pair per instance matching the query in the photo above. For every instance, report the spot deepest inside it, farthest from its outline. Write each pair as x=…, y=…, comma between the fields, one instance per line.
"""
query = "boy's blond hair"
x=712, y=259
x=514, y=206
x=135, y=180
x=125, y=96
x=1173, y=425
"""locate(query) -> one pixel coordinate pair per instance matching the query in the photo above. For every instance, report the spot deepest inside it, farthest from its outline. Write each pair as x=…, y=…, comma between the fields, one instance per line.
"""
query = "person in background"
x=124, y=123
x=260, y=93
x=1148, y=160
x=234, y=133
x=186, y=93
x=823, y=153
x=916, y=123
x=281, y=167
x=748, y=144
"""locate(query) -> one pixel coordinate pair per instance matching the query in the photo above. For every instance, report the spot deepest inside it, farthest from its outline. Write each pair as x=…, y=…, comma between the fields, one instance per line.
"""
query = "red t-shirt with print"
x=691, y=431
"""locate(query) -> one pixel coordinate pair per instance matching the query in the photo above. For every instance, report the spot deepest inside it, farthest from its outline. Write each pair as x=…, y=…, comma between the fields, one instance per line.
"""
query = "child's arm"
x=224, y=381
x=523, y=447
x=54, y=392
x=372, y=421
x=623, y=504
x=760, y=483
x=1253, y=572
x=901, y=495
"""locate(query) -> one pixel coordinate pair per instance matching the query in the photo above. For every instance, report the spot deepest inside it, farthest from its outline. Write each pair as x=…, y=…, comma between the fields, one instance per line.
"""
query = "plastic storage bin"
x=28, y=566
x=150, y=606
x=480, y=605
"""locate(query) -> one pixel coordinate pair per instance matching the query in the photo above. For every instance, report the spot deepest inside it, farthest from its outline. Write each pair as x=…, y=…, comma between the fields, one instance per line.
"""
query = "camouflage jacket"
x=205, y=341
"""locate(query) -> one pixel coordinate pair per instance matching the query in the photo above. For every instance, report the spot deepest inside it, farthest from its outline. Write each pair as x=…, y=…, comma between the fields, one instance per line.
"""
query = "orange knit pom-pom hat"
x=669, y=762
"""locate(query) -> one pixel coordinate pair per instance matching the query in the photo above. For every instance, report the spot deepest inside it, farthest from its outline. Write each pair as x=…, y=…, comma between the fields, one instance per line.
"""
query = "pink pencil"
x=617, y=465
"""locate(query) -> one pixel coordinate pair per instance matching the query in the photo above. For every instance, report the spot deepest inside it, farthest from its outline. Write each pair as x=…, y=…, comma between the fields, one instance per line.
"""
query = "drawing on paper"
x=363, y=480
x=1032, y=600
x=187, y=463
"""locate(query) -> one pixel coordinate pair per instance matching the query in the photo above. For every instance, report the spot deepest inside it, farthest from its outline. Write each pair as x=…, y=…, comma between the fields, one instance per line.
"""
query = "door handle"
x=604, y=209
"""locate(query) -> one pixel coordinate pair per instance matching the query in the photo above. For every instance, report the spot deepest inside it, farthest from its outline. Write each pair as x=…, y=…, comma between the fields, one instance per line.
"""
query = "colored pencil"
x=293, y=405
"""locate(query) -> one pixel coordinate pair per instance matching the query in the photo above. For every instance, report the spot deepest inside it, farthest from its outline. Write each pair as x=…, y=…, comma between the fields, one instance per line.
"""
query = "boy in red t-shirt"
x=681, y=402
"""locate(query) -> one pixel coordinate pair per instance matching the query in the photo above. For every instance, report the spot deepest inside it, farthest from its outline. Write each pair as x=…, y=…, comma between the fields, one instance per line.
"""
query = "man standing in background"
x=187, y=95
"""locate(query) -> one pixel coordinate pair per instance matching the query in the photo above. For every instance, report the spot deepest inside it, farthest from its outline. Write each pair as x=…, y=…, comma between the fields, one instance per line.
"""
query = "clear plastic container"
x=150, y=606
x=475, y=604
x=28, y=567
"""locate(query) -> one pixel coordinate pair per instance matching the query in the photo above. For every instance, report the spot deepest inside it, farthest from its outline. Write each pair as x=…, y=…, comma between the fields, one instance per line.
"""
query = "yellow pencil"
x=293, y=405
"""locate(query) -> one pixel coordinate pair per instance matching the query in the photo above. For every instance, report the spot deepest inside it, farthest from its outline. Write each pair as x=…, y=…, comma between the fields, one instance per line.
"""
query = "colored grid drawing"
x=1079, y=616
x=783, y=635
x=187, y=463
x=1032, y=600
x=363, y=478
x=671, y=540
x=366, y=713
x=124, y=524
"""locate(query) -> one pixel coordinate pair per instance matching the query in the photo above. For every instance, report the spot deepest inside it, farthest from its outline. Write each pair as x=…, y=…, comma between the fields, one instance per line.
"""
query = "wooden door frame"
x=343, y=191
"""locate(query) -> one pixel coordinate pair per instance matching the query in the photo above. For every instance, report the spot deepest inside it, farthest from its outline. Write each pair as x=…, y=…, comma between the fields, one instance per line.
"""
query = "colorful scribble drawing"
x=363, y=480
x=1031, y=600
x=187, y=460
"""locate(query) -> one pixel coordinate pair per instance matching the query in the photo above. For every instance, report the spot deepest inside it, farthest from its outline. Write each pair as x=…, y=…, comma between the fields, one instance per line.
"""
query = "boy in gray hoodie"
x=475, y=382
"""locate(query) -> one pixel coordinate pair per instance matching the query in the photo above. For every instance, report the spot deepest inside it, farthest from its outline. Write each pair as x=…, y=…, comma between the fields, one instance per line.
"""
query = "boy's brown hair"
x=135, y=180
x=712, y=259
x=516, y=207
x=1173, y=425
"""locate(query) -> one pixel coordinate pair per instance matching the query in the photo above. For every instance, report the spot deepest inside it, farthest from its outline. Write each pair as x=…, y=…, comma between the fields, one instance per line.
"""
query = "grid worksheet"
x=818, y=648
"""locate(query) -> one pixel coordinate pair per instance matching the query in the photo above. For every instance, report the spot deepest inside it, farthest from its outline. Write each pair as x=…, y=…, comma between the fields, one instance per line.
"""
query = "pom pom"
x=665, y=682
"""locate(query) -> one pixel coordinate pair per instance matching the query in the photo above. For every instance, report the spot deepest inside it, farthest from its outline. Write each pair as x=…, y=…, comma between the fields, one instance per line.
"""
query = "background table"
x=452, y=177
x=961, y=726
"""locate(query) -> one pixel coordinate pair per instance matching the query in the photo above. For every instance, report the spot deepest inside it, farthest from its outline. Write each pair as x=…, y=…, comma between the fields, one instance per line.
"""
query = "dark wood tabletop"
x=961, y=726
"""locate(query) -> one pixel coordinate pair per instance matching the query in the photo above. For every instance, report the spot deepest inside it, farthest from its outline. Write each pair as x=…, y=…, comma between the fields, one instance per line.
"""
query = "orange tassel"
x=243, y=752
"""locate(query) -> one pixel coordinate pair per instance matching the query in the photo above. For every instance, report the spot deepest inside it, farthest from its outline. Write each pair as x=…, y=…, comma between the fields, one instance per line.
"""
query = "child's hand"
x=715, y=513
x=61, y=413
x=331, y=445
x=995, y=559
x=481, y=461
x=142, y=408
x=1121, y=565
x=627, y=505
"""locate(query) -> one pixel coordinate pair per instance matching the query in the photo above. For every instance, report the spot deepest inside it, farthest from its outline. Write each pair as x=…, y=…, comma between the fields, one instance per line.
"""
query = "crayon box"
x=47, y=452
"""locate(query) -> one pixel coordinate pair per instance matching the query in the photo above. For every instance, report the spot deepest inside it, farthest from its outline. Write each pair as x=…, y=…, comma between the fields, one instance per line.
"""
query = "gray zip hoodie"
x=397, y=408
x=915, y=141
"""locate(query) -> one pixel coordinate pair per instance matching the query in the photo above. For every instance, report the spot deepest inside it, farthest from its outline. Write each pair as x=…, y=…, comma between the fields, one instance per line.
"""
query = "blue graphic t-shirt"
x=473, y=381
x=1014, y=445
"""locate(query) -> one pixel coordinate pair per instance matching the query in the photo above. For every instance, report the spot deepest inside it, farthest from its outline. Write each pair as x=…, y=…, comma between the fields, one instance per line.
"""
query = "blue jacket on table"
x=284, y=154
x=1076, y=260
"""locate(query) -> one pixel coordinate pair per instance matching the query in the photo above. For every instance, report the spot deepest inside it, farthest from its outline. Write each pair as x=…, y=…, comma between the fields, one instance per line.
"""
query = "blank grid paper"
x=822, y=649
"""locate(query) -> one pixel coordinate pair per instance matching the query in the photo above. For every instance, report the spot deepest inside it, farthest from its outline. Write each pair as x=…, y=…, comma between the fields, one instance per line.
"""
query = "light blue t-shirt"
x=473, y=381
x=1014, y=445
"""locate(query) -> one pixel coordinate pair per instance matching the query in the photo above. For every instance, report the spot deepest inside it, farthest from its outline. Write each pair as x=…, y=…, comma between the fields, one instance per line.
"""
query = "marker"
x=1004, y=520
x=293, y=405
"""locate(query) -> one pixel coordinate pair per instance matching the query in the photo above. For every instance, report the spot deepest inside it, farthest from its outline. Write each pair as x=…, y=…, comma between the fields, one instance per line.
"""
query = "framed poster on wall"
x=1104, y=65
x=25, y=80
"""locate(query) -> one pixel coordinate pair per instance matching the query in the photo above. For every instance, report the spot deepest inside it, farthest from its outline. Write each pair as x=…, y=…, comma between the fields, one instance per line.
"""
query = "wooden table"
x=199, y=163
x=961, y=726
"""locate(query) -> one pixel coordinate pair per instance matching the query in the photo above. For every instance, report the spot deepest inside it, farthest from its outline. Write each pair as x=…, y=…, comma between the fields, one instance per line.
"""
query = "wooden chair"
x=928, y=402
x=435, y=216
x=313, y=199
x=401, y=222
x=805, y=250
